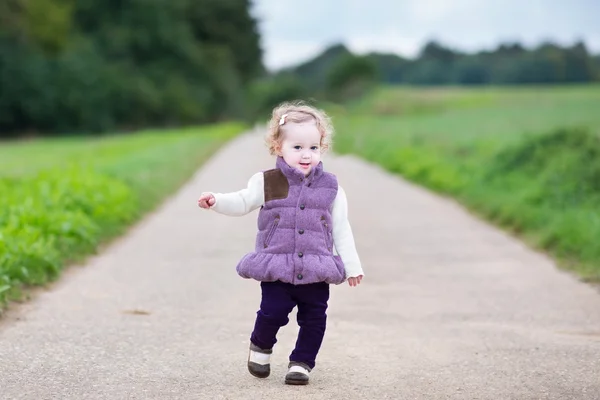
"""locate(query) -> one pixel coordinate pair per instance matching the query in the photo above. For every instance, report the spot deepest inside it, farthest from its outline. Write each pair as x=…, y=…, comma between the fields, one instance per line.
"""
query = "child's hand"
x=355, y=280
x=206, y=200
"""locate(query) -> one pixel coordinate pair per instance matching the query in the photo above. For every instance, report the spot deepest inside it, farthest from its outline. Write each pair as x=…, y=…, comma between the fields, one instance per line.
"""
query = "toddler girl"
x=304, y=241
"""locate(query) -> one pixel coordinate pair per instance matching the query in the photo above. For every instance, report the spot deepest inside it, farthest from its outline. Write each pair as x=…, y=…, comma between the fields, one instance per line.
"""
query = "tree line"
x=338, y=73
x=510, y=63
x=87, y=66
x=92, y=66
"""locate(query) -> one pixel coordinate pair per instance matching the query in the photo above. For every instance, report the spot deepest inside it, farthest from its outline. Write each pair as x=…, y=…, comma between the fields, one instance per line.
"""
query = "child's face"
x=301, y=146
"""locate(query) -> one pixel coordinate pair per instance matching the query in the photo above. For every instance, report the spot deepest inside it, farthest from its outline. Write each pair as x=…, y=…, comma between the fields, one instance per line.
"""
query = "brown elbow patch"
x=276, y=185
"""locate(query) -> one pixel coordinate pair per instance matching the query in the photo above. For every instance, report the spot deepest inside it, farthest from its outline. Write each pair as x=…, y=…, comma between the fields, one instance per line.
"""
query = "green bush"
x=54, y=216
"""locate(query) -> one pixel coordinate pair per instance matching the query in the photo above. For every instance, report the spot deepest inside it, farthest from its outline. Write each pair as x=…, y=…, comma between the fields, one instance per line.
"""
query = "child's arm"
x=237, y=203
x=344, y=239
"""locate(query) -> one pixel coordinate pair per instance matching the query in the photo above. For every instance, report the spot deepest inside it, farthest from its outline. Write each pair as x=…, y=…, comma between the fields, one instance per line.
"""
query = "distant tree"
x=554, y=67
x=596, y=60
x=433, y=51
x=313, y=73
x=266, y=93
x=351, y=76
x=429, y=71
x=505, y=50
x=392, y=68
x=579, y=66
x=229, y=24
x=471, y=70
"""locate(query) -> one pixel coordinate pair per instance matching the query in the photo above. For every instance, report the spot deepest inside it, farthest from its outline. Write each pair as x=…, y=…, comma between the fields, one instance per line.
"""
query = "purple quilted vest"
x=294, y=241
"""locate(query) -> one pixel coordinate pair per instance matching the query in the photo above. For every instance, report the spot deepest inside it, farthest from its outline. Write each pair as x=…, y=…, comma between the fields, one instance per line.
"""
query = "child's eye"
x=315, y=148
x=297, y=147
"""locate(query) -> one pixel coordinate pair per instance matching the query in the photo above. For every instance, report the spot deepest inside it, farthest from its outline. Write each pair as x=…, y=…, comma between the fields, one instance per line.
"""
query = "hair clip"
x=282, y=119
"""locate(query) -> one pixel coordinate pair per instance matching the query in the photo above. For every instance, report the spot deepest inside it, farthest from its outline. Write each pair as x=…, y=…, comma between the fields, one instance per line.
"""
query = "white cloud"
x=434, y=11
x=284, y=53
x=390, y=41
x=293, y=32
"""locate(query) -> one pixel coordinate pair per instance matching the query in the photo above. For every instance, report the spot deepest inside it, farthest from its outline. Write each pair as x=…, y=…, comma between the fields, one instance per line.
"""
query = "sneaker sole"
x=292, y=380
x=295, y=382
x=258, y=374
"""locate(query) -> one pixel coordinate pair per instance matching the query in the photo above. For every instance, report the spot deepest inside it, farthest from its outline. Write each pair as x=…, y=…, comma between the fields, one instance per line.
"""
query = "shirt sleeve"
x=243, y=201
x=343, y=238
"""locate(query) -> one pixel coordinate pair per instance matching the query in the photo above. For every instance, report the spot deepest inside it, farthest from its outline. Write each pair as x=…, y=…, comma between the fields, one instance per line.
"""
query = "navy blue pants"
x=278, y=300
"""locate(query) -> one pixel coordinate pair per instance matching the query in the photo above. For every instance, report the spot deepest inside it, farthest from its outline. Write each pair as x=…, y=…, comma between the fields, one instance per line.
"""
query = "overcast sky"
x=294, y=31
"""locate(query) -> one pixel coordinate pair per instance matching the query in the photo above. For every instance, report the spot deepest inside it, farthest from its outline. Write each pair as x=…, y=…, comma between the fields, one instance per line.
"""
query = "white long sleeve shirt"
x=252, y=197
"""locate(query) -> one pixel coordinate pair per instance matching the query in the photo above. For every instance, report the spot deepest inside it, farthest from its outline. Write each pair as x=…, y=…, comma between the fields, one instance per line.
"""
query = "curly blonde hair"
x=297, y=112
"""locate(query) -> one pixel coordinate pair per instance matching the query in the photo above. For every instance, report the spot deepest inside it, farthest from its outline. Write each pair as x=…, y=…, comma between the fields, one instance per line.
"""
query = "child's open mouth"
x=305, y=165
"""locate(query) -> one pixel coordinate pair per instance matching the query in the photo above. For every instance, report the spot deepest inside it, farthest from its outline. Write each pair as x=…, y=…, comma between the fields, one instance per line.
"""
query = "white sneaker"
x=259, y=361
x=298, y=374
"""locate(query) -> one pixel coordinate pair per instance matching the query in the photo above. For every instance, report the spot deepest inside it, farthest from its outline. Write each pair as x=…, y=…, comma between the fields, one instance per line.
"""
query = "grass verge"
x=527, y=159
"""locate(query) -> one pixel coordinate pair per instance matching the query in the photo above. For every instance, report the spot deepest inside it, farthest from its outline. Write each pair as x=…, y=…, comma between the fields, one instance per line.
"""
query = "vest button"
x=300, y=254
x=299, y=276
x=302, y=206
x=301, y=231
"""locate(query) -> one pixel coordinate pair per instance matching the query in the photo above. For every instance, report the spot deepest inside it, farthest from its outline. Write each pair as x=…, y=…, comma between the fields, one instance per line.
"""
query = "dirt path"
x=450, y=308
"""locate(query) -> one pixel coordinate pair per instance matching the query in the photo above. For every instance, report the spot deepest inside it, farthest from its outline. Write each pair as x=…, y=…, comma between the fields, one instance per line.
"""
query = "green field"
x=526, y=158
x=62, y=197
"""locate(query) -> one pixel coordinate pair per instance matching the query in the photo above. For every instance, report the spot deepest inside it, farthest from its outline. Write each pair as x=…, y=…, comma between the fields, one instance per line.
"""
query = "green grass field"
x=62, y=197
x=526, y=158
